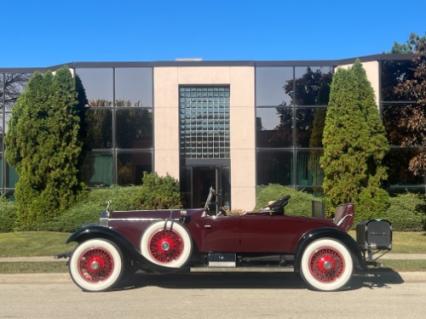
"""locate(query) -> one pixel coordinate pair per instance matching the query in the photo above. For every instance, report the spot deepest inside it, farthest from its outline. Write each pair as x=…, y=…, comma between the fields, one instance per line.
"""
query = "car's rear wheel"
x=326, y=265
x=167, y=244
x=96, y=265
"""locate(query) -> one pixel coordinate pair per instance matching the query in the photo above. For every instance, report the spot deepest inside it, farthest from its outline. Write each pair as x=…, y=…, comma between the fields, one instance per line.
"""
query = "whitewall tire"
x=96, y=265
x=167, y=244
x=326, y=265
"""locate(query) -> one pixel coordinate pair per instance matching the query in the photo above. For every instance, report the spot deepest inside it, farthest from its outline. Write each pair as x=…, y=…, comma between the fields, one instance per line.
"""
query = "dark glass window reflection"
x=393, y=73
x=394, y=119
x=1, y=170
x=11, y=176
x=98, y=85
x=98, y=124
x=134, y=128
x=97, y=169
x=131, y=167
x=310, y=126
x=312, y=85
x=2, y=131
x=274, y=127
x=14, y=84
x=133, y=87
x=309, y=172
x=274, y=167
x=397, y=160
x=274, y=86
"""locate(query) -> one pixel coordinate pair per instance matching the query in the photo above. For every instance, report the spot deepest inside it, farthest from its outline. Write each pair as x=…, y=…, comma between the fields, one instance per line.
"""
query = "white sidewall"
x=344, y=277
x=101, y=285
x=158, y=226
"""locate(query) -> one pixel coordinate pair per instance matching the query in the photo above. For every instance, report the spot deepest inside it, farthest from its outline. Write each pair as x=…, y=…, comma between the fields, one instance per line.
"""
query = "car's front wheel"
x=96, y=265
x=326, y=265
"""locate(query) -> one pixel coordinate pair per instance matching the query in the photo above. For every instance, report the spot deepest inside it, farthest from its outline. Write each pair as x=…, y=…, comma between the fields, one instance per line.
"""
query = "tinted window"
x=134, y=128
x=99, y=128
x=1, y=170
x=274, y=167
x=131, y=167
x=98, y=86
x=11, y=176
x=310, y=126
x=274, y=127
x=312, y=85
x=309, y=172
x=133, y=87
x=393, y=73
x=14, y=84
x=97, y=169
x=395, y=121
x=397, y=160
x=274, y=86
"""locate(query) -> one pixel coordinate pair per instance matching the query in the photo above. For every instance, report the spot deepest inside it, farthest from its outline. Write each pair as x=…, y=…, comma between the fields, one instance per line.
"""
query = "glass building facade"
x=290, y=104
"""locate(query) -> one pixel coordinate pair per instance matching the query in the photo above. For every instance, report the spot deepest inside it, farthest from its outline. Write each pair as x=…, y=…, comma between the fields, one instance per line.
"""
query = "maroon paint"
x=249, y=233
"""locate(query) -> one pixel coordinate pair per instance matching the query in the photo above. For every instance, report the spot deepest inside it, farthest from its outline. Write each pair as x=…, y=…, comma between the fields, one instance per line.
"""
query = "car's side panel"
x=269, y=234
x=216, y=233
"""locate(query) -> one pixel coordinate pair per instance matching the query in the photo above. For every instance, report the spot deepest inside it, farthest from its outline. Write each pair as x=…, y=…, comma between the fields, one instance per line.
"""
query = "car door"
x=220, y=233
x=262, y=233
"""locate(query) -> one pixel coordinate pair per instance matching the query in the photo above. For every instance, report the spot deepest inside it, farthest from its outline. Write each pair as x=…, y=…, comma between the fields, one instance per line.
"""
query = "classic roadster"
x=183, y=239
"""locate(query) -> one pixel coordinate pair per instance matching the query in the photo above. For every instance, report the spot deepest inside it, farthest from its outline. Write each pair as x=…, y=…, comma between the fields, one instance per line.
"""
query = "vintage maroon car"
x=180, y=239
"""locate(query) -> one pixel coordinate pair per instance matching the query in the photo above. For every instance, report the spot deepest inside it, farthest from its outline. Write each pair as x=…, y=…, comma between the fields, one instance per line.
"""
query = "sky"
x=46, y=33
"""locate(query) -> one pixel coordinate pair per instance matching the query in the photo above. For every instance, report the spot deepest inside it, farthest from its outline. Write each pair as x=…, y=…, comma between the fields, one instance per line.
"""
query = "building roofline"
x=368, y=58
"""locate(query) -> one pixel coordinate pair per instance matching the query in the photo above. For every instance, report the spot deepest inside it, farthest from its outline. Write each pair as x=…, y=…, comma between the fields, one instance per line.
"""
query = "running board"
x=242, y=269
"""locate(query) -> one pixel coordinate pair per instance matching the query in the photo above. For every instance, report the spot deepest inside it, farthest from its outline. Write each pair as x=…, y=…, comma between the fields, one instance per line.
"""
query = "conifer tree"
x=354, y=144
x=43, y=144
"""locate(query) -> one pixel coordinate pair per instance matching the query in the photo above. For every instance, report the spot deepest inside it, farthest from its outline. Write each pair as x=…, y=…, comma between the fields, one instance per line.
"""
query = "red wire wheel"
x=326, y=264
x=95, y=265
x=166, y=245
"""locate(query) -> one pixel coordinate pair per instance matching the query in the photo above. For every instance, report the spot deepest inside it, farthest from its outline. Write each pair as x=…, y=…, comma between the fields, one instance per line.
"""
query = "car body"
x=180, y=239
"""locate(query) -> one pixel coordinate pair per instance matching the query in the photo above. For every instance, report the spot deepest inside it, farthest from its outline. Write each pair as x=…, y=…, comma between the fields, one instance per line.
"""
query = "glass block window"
x=204, y=122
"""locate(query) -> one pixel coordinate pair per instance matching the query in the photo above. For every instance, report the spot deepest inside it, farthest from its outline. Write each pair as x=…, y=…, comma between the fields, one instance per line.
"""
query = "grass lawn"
x=33, y=244
x=405, y=265
x=406, y=242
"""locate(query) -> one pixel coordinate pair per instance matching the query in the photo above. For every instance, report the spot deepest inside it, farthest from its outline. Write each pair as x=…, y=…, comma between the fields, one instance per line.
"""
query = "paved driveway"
x=217, y=295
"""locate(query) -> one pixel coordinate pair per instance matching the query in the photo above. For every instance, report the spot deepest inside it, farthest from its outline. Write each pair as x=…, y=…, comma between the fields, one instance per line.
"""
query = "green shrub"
x=406, y=212
x=7, y=215
x=156, y=193
x=300, y=203
x=91, y=203
x=159, y=192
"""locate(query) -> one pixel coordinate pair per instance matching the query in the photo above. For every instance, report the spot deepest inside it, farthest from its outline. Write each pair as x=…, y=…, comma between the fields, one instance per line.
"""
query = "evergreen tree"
x=43, y=144
x=354, y=144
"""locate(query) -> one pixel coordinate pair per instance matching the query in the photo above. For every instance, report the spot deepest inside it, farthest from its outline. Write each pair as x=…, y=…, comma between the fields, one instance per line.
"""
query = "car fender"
x=128, y=250
x=329, y=232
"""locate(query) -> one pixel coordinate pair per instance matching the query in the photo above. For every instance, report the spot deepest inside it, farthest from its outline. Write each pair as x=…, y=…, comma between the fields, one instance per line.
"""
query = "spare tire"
x=167, y=244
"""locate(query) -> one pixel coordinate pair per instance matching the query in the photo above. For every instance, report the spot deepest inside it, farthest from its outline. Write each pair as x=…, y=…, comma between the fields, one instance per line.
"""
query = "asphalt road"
x=217, y=295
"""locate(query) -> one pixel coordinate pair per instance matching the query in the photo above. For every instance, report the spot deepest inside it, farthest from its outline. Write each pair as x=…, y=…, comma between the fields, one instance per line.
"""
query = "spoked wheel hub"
x=326, y=264
x=166, y=246
x=95, y=265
